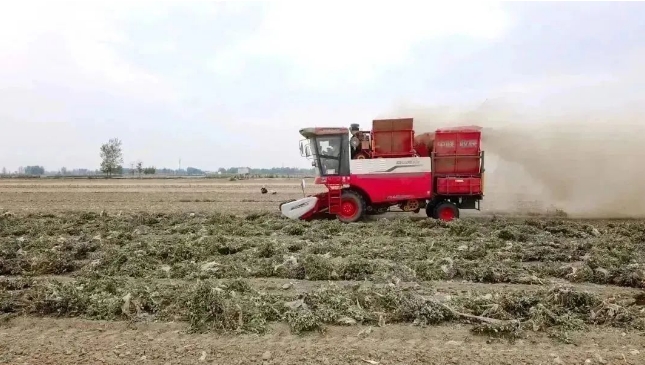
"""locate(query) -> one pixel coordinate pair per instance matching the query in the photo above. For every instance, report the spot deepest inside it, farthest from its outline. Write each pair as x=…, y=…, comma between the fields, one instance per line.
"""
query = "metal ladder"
x=334, y=194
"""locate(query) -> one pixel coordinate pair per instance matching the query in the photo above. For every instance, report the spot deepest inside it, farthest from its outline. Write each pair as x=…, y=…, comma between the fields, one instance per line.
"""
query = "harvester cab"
x=328, y=148
x=368, y=172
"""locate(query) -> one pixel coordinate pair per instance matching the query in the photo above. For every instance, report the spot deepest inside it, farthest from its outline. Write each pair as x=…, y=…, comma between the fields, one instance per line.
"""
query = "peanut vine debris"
x=210, y=270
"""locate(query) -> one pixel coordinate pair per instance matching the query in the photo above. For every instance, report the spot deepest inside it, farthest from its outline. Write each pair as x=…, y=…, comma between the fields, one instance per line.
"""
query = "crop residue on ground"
x=228, y=273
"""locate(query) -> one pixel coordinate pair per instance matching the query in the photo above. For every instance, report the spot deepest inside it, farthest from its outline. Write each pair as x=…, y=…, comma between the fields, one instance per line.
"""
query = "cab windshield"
x=330, y=153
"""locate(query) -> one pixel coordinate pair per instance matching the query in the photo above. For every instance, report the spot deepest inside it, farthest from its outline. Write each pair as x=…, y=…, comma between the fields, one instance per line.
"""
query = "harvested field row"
x=147, y=195
x=118, y=203
x=189, y=246
x=172, y=264
x=235, y=306
x=133, y=265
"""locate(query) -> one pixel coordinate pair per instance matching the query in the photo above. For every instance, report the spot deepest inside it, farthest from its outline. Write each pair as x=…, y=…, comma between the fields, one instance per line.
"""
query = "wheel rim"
x=446, y=214
x=348, y=208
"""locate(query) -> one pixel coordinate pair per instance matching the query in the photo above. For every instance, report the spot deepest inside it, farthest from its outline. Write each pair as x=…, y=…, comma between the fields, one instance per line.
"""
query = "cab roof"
x=323, y=131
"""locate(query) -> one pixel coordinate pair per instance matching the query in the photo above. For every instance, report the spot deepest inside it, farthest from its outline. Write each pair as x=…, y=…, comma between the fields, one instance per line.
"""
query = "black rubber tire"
x=360, y=204
x=430, y=209
x=446, y=205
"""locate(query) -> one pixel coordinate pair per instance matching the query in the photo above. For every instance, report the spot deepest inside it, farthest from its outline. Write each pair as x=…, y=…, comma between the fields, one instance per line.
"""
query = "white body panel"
x=298, y=208
x=390, y=165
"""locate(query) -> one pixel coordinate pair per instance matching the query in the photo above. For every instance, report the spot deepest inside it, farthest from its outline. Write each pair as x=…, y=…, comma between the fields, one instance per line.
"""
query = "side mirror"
x=305, y=150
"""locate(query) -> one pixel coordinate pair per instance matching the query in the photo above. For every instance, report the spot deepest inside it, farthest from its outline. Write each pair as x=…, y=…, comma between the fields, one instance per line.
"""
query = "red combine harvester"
x=368, y=172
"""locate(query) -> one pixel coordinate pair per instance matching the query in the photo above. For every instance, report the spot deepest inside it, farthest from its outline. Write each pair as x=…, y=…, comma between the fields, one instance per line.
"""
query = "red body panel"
x=459, y=186
x=457, y=165
x=390, y=138
x=398, y=143
x=394, y=187
x=332, y=180
x=457, y=152
x=460, y=142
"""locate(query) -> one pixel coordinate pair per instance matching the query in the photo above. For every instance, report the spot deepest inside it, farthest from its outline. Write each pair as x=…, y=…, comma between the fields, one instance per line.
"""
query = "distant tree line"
x=268, y=171
x=26, y=170
x=147, y=171
x=112, y=165
x=34, y=170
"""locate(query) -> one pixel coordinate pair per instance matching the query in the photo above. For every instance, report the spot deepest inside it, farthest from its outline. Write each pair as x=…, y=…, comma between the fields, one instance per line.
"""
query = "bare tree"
x=4, y=171
x=63, y=170
x=112, y=157
x=140, y=167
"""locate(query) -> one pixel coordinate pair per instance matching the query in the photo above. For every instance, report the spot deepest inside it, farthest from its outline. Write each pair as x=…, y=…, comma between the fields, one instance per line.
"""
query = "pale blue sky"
x=229, y=84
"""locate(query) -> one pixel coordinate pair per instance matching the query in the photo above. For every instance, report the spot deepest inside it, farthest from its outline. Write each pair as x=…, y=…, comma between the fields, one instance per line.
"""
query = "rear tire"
x=352, y=207
x=446, y=211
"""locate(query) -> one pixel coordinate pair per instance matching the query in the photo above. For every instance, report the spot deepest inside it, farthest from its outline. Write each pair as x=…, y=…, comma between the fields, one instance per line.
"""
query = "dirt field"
x=152, y=195
x=205, y=271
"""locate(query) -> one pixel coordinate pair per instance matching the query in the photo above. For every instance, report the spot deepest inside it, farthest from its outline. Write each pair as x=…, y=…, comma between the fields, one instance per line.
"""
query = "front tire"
x=352, y=207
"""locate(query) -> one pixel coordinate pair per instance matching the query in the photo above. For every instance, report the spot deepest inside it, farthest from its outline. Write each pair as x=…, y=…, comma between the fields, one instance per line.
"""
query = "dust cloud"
x=584, y=160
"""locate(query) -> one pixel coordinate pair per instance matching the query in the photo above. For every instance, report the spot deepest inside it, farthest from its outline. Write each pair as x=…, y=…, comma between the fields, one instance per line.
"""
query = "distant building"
x=243, y=171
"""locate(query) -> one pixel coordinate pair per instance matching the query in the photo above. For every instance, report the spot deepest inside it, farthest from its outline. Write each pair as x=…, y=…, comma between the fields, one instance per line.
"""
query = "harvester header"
x=370, y=171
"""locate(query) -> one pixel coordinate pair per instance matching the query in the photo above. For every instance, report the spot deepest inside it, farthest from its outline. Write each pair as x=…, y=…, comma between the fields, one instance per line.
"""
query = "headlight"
x=354, y=142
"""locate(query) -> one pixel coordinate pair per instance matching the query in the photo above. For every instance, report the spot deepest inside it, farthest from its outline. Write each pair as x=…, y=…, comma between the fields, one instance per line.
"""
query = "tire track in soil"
x=75, y=341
